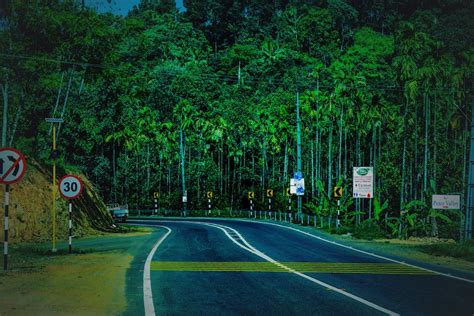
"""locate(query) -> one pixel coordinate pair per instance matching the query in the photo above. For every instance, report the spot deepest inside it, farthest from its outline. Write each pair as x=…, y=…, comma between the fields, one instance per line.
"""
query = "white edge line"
x=147, y=293
x=262, y=255
x=364, y=252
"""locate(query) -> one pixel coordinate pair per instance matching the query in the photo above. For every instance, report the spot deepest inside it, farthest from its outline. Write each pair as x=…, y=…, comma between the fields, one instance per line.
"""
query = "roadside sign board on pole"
x=269, y=193
x=251, y=195
x=156, y=195
x=12, y=170
x=363, y=182
x=446, y=202
x=70, y=186
x=12, y=165
x=209, y=194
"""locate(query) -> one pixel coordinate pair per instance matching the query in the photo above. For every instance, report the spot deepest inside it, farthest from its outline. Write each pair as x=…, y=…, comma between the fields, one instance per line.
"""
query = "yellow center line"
x=306, y=267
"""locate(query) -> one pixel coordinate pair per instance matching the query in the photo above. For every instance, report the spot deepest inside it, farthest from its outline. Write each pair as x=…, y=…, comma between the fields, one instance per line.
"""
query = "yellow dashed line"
x=305, y=267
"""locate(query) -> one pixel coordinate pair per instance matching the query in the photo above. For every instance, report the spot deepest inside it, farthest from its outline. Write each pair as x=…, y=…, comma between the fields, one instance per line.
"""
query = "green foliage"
x=457, y=250
x=227, y=75
x=368, y=230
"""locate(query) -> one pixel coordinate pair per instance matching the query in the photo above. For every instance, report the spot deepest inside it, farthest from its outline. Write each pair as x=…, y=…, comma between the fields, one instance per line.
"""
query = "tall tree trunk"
x=17, y=118
x=285, y=167
x=4, y=88
x=339, y=171
x=404, y=156
x=330, y=160
x=312, y=169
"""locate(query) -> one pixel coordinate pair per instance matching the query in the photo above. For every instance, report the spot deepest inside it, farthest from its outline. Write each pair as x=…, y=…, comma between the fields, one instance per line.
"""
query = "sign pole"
x=53, y=210
x=289, y=209
x=5, y=244
x=209, y=206
x=70, y=226
x=270, y=207
x=338, y=223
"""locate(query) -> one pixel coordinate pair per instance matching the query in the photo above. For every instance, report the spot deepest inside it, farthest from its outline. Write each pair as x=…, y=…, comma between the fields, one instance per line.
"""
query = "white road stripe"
x=251, y=249
x=365, y=252
x=147, y=293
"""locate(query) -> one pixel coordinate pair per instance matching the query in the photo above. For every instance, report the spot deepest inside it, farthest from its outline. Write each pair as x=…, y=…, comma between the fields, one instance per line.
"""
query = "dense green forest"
x=214, y=89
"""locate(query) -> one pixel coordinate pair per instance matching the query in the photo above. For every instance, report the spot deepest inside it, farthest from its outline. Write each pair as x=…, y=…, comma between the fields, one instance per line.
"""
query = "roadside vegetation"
x=205, y=100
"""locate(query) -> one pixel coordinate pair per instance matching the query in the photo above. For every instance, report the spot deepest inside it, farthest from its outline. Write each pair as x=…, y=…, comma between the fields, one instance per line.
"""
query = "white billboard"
x=363, y=182
x=446, y=202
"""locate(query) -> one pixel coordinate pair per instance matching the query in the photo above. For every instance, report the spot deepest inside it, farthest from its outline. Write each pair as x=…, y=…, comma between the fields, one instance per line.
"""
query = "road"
x=229, y=267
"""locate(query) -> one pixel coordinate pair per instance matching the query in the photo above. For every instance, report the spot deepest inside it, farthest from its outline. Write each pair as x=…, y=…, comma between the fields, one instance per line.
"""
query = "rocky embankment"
x=30, y=211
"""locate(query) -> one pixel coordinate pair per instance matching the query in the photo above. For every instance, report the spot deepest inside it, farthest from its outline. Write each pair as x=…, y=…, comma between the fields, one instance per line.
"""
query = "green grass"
x=462, y=251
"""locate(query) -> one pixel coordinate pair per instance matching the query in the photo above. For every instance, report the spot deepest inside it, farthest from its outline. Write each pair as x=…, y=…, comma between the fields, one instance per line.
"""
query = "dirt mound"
x=30, y=215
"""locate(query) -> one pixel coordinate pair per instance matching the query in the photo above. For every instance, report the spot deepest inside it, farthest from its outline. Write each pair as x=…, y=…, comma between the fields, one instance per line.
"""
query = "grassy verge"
x=463, y=251
x=90, y=281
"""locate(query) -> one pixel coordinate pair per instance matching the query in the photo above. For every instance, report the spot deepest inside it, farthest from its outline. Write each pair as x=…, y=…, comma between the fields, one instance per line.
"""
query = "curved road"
x=231, y=267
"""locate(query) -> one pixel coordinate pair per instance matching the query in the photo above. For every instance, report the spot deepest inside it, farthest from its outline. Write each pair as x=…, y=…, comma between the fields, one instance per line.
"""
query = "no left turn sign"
x=12, y=165
x=70, y=186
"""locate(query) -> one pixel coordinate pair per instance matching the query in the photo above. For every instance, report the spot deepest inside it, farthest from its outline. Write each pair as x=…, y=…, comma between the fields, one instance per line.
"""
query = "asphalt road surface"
x=230, y=267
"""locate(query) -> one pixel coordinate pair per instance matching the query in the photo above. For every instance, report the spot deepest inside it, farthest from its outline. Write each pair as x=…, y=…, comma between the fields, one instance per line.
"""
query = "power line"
x=310, y=84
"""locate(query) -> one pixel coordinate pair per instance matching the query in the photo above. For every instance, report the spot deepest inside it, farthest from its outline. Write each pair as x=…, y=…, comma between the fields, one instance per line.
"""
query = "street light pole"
x=54, y=155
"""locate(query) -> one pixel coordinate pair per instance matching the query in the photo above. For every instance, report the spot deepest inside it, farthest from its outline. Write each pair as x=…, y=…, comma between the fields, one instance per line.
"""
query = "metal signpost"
x=288, y=193
x=70, y=188
x=54, y=156
x=12, y=170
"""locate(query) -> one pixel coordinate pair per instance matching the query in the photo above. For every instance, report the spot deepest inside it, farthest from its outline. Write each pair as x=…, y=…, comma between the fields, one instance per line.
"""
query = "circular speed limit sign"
x=70, y=186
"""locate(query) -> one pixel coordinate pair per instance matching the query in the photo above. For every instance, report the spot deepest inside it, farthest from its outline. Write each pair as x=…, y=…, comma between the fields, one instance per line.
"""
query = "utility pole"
x=470, y=187
x=298, y=150
x=54, y=156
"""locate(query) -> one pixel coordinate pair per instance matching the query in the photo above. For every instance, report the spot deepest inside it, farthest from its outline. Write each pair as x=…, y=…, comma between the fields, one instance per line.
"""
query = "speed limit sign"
x=70, y=186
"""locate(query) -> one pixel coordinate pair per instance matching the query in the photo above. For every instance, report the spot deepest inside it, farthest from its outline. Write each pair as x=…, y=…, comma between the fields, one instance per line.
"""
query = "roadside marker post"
x=209, y=202
x=12, y=170
x=270, y=196
x=155, y=200
x=288, y=194
x=70, y=188
x=338, y=221
x=338, y=193
x=251, y=196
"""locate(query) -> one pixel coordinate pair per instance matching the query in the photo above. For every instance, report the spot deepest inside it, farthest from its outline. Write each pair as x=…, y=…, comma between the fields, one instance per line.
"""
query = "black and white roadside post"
x=270, y=195
x=12, y=170
x=155, y=200
x=251, y=196
x=338, y=195
x=288, y=194
x=209, y=202
x=70, y=188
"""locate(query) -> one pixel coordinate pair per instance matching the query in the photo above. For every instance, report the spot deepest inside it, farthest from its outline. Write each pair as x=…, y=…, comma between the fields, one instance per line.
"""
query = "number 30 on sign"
x=70, y=186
